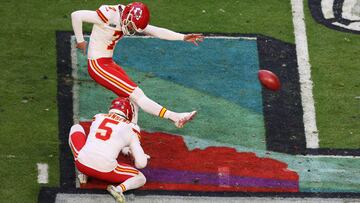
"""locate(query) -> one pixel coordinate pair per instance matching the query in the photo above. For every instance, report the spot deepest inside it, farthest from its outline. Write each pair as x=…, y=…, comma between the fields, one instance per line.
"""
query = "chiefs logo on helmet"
x=138, y=13
x=134, y=18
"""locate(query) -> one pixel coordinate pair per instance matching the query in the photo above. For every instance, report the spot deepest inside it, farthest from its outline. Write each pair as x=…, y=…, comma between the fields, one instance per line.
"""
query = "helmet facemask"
x=128, y=22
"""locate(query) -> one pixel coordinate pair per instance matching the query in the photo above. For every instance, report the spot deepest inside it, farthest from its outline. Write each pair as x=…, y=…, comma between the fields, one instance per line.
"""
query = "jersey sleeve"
x=136, y=149
x=136, y=131
x=163, y=33
x=77, y=19
x=106, y=12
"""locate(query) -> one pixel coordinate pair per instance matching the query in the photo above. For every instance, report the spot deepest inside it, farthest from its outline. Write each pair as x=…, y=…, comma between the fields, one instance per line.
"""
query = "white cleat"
x=119, y=196
x=82, y=178
x=185, y=118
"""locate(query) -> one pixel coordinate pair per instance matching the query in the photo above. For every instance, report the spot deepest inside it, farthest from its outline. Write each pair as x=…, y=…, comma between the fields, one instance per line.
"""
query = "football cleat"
x=82, y=178
x=185, y=118
x=119, y=196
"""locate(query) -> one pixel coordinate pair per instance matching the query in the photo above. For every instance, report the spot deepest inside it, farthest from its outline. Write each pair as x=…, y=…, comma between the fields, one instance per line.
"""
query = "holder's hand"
x=194, y=38
x=82, y=46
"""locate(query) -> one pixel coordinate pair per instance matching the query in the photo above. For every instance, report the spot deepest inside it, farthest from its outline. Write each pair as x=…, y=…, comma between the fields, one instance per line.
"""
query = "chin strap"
x=119, y=113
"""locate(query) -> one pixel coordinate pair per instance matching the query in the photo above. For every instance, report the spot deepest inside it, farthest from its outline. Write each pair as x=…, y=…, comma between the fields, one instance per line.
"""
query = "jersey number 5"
x=104, y=130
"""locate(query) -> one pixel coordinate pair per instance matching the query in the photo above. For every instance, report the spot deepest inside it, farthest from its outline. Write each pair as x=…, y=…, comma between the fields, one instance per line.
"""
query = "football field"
x=302, y=141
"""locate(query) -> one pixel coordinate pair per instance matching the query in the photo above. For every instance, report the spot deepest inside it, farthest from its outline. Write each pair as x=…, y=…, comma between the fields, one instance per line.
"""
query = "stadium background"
x=28, y=105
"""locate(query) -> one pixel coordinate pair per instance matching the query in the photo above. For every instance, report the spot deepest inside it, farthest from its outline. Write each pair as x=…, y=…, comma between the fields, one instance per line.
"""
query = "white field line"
x=43, y=174
x=75, y=90
x=75, y=76
x=311, y=133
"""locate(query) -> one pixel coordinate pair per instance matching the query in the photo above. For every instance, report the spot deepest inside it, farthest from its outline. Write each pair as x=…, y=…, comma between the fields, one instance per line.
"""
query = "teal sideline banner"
x=219, y=79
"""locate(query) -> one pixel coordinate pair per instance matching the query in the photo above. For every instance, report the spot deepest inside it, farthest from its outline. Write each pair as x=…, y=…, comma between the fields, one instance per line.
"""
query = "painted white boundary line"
x=311, y=132
x=75, y=88
x=43, y=174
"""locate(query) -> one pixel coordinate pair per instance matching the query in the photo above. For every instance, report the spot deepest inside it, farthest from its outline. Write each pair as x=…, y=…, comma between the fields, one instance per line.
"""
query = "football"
x=269, y=80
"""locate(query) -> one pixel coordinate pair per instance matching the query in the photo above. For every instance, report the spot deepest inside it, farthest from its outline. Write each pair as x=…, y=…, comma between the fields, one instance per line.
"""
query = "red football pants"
x=111, y=76
x=121, y=173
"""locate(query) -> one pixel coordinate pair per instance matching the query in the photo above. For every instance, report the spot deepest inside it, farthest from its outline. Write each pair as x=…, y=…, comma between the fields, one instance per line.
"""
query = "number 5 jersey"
x=109, y=134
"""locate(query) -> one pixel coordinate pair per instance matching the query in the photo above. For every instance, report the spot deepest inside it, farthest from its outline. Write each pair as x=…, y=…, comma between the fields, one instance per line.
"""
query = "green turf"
x=28, y=73
x=335, y=61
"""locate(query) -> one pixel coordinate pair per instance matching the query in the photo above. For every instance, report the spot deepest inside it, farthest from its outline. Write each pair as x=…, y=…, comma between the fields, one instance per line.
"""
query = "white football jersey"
x=104, y=36
x=108, y=135
x=107, y=31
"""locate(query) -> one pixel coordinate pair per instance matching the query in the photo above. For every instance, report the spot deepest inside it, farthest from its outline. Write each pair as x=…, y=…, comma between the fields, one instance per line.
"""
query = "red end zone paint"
x=173, y=167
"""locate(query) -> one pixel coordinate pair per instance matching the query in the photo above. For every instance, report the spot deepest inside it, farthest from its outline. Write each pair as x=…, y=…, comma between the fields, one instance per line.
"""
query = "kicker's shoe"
x=184, y=119
x=82, y=178
x=119, y=196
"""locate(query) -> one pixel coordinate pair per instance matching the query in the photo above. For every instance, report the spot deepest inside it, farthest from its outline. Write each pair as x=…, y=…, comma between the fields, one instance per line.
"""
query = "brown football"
x=269, y=80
